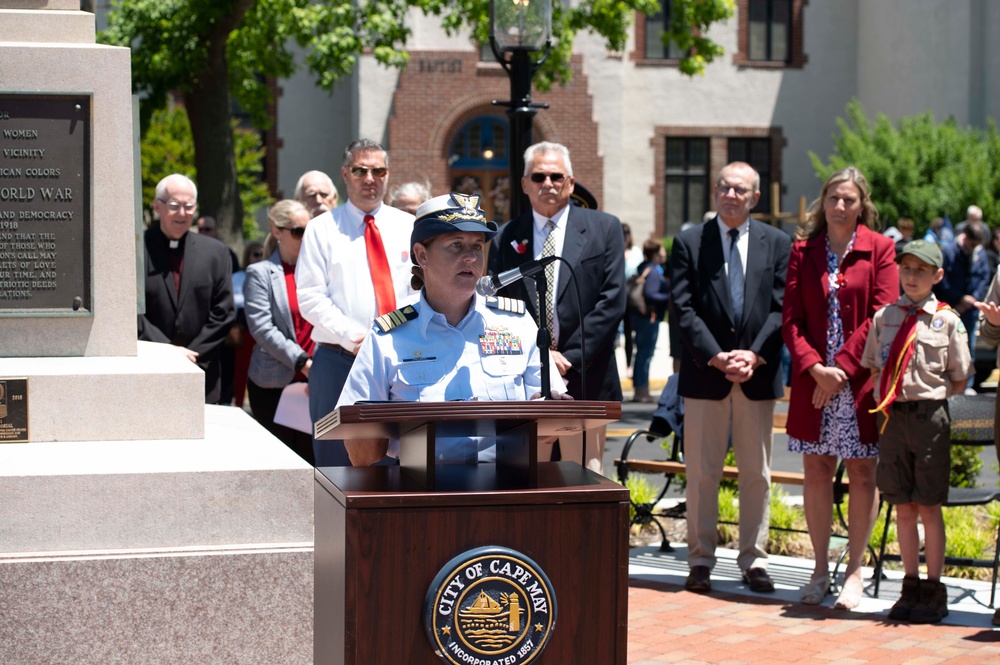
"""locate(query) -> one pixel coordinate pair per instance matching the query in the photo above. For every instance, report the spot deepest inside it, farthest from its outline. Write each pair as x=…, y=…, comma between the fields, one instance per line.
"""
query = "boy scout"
x=918, y=351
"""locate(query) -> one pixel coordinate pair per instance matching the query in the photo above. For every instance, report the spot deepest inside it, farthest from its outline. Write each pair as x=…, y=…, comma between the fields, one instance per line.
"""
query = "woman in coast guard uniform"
x=452, y=344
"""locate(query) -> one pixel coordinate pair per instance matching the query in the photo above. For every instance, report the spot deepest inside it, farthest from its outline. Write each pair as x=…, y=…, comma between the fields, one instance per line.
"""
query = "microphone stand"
x=544, y=338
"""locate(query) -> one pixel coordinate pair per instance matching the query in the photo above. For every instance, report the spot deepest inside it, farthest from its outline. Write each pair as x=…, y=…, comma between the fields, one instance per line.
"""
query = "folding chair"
x=971, y=425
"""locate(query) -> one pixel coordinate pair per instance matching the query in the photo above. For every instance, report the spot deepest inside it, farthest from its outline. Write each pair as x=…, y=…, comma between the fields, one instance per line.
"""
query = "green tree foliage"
x=168, y=147
x=919, y=168
x=212, y=52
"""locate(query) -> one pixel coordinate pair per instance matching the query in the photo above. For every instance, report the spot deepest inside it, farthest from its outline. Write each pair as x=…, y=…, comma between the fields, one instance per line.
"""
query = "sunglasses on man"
x=556, y=178
x=362, y=171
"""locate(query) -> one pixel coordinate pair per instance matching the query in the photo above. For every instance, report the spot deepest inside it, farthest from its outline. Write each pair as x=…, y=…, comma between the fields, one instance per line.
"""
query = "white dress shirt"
x=334, y=282
x=742, y=242
x=540, y=233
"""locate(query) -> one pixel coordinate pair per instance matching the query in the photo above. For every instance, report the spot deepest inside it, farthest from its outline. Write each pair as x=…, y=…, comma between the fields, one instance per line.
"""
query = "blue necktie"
x=736, y=279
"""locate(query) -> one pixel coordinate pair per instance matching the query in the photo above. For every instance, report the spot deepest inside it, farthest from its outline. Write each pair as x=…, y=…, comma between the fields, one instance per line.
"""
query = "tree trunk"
x=208, y=106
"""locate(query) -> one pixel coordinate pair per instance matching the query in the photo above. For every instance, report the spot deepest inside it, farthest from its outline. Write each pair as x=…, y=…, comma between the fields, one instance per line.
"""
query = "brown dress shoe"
x=759, y=580
x=699, y=579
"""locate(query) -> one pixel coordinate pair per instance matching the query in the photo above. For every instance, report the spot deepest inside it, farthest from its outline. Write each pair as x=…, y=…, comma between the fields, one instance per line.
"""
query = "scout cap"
x=450, y=213
x=928, y=252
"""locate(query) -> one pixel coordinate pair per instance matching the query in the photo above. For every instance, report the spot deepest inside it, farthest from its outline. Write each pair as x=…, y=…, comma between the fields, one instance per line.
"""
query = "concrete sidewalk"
x=731, y=625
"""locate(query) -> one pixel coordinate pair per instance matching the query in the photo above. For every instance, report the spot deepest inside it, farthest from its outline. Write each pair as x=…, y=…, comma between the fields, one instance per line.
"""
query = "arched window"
x=480, y=144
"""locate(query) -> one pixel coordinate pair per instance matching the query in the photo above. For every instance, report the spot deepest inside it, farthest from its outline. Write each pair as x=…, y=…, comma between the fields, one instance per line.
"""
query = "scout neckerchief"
x=900, y=353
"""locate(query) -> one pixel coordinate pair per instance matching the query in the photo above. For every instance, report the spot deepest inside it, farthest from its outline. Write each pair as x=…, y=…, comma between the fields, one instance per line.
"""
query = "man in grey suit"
x=592, y=243
x=728, y=285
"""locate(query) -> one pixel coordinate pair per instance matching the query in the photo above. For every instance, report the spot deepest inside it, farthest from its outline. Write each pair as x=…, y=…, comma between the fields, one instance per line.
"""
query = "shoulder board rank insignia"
x=397, y=317
x=512, y=305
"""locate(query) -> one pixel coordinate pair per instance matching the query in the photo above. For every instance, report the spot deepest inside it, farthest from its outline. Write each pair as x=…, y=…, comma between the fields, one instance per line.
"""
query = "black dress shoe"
x=759, y=580
x=699, y=579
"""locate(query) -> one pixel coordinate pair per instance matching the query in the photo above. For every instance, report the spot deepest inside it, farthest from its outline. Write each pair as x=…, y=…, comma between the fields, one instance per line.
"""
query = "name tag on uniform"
x=495, y=343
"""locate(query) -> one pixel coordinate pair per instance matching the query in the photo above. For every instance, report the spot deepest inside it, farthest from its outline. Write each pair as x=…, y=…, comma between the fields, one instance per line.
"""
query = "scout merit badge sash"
x=900, y=353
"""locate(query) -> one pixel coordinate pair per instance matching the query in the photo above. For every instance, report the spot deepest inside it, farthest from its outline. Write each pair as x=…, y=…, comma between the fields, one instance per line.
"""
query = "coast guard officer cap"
x=450, y=213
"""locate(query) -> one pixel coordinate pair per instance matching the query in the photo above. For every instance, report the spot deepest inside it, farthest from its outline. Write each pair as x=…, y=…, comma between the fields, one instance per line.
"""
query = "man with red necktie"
x=354, y=265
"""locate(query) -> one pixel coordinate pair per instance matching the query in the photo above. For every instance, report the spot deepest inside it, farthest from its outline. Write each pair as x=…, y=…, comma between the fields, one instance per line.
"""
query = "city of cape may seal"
x=490, y=606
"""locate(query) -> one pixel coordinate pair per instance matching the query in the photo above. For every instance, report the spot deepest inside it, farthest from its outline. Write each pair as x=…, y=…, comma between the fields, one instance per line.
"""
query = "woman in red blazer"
x=839, y=274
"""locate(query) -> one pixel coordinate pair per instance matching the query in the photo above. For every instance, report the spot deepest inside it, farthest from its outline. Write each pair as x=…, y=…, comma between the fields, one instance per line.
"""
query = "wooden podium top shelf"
x=389, y=419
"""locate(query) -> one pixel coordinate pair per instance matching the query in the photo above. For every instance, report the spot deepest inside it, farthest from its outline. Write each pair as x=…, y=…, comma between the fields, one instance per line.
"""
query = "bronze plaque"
x=13, y=410
x=45, y=206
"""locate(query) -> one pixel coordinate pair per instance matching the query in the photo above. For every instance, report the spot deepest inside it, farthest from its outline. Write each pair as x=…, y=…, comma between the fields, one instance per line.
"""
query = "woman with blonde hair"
x=841, y=271
x=283, y=353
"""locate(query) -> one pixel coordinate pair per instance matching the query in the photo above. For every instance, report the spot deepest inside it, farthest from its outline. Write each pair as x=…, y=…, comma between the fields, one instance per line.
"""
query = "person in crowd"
x=905, y=226
x=188, y=283
x=593, y=244
x=727, y=285
x=483, y=348
x=990, y=334
x=919, y=355
x=283, y=350
x=353, y=267
x=633, y=257
x=993, y=252
x=227, y=354
x=966, y=279
x=408, y=196
x=841, y=271
x=208, y=227
x=647, y=326
x=316, y=191
x=239, y=337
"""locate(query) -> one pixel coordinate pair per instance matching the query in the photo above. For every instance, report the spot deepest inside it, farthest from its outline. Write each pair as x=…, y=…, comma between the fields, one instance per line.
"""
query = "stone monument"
x=136, y=524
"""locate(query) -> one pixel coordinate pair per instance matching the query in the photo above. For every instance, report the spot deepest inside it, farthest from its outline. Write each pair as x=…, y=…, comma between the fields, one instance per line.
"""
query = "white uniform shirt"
x=333, y=280
x=489, y=356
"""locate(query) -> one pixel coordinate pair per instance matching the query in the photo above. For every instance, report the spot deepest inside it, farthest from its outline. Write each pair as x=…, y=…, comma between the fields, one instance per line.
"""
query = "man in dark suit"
x=593, y=244
x=189, y=291
x=727, y=287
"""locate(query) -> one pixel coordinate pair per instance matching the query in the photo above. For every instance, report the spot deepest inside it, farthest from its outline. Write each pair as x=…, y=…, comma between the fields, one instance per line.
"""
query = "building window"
x=481, y=143
x=687, y=182
x=649, y=37
x=757, y=153
x=770, y=33
x=688, y=159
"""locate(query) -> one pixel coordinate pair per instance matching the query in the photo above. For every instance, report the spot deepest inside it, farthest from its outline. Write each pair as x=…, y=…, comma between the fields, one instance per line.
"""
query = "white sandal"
x=816, y=590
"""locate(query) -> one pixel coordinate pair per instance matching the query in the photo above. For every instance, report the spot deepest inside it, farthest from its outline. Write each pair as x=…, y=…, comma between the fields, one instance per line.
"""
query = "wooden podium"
x=383, y=534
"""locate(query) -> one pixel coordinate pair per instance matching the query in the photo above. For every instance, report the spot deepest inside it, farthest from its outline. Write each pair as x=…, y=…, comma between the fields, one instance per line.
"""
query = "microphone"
x=490, y=284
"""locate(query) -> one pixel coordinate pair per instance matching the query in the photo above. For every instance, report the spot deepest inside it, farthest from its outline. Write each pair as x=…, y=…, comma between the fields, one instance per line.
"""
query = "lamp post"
x=517, y=28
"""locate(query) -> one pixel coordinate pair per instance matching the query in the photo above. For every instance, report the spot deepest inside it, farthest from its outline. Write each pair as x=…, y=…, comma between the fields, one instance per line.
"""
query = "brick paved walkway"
x=669, y=625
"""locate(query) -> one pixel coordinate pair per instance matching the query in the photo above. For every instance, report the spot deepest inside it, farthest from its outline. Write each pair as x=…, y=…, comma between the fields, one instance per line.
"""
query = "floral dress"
x=838, y=432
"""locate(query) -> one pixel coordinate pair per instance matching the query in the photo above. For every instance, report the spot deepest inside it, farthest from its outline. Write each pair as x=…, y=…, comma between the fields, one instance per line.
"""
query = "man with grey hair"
x=316, y=191
x=354, y=265
x=409, y=196
x=188, y=283
x=594, y=244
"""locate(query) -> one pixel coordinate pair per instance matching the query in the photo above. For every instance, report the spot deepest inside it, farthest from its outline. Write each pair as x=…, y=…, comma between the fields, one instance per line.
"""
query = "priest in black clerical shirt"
x=189, y=292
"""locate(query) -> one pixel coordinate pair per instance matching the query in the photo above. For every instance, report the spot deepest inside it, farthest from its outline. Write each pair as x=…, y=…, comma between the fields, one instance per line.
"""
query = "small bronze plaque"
x=13, y=410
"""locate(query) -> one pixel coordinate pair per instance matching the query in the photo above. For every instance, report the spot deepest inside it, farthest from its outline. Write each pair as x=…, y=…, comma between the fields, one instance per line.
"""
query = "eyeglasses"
x=556, y=178
x=174, y=206
x=296, y=231
x=257, y=254
x=362, y=171
x=739, y=191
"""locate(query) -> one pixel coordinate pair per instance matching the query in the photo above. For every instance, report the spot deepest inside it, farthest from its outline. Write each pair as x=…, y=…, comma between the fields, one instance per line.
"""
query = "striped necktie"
x=548, y=249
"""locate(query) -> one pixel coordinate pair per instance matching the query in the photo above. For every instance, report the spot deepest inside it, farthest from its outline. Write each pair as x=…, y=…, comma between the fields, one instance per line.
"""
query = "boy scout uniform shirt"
x=491, y=355
x=941, y=355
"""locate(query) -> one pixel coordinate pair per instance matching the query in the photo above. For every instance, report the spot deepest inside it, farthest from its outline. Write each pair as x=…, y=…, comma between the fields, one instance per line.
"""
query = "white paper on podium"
x=293, y=408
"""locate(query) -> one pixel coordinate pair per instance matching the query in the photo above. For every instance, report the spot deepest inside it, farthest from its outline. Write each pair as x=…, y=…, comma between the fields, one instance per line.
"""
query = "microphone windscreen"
x=485, y=287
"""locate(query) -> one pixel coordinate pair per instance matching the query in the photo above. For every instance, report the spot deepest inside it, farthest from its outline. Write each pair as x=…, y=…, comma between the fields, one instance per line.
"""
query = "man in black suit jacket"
x=593, y=244
x=189, y=291
x=729, y=374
